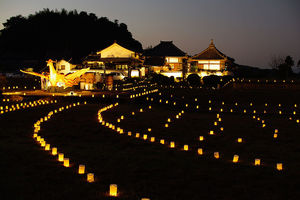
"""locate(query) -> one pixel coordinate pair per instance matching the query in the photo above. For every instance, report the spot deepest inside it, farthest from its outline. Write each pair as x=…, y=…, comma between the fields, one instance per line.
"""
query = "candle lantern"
x=279, y=166
x=257, y=162
x=113, y=190
x=90, y=177
x=137, y=135
x=60, y=157
x=47, y=147
x=54, y=151
x=186, y=147
x=211, y=132
x=216, y=155
x=235, y=158
x=66, y=162
x=240, y=140
x=145, y=137
x=172, y=144
x=81, y=169
x=152, y=139
x=162, y=141
x=200, y=151
x=201, y=138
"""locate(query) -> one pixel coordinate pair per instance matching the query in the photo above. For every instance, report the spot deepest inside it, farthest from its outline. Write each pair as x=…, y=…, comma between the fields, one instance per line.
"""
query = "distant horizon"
x=248, y=31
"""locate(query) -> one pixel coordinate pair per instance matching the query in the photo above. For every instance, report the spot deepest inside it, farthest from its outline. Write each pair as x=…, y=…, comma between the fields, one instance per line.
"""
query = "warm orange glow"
x=279, y=166
x=200, y=151
x=240, y=140
x=201, y=138
x=172, y=144
x=211, y=133
x=162, y=141
x=81, y=169
x=61, y=157
x=54, y=151
x=235, y=158
x=47, y=147
x=152, y=139
x=186, y=147
x=113, y=190
x=137, y=135
x=145, y=137
x=66, y=162
x=216, y=155
x=257, y=162
x=90, y=178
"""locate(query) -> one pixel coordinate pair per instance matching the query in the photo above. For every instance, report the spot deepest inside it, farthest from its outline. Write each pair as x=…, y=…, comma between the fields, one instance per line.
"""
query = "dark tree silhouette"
x=29, y=41
x=285, y=69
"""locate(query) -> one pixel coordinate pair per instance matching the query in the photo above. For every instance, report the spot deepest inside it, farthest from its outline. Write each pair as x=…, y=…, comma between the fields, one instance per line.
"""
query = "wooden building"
x=116, y=58
x=165, y=58
x=211, y=61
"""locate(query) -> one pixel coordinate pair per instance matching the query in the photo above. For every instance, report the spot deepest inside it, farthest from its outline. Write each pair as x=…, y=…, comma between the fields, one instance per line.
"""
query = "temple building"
x=165, y=58
x=211, y=61
x=116, y=58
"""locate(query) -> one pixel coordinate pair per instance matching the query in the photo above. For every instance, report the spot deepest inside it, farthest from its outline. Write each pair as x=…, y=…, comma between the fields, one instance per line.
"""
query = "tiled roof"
x=165, y=48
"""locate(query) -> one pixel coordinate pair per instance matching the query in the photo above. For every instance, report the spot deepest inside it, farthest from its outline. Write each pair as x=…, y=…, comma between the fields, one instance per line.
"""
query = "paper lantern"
x=166, y=125
x=172, y=144
x=132, y=113
x=200, y=151
x=61, y=157
x=211, y=133
x=81, y=169
x=66, y=162
x=162, y=141
x=235, y=158
x=47, y=147
x=279, y=166
x=276, y=131
x=240, y=140
x=201, y=138
x=137, y=135
x=43, y=143
x=257, y=162
x=186, y=147
x=113, y=190
x=54, y=151
x=90, y=177
x=152, y=139
x=169, y=120
x=216, y=155
x=216, y=123
x=221, y=129
x=145, y=137
x=129, y=133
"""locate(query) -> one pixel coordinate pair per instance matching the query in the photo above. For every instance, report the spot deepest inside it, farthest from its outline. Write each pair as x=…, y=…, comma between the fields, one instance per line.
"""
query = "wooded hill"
x=29, y=41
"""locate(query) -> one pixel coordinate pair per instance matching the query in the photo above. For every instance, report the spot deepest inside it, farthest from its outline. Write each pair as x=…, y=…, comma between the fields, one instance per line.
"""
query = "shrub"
x=211, y=81
x=194, y=79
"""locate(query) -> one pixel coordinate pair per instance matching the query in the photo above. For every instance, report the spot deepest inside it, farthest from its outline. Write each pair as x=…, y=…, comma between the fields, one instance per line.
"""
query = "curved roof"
x=211, y=53
x=165, y=48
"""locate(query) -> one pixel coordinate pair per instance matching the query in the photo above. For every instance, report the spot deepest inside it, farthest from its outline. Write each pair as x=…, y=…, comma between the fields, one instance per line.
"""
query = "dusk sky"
x=251, y=31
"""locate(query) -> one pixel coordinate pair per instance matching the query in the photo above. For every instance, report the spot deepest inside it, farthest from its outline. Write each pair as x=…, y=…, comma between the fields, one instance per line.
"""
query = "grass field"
x=142, y=168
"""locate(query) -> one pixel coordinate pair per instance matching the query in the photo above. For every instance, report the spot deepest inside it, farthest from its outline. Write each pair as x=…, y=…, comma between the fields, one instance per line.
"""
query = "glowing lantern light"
x=81, y=169
x=215, y=123
x=172, y=144
x=240, y=140
x=211, y=133
x=222, y=129
x=90, y=177
x=66, y=162
x=61, y=157
x=137, y=135
x=235, y=158
x=166, y=125
x=54, y=151
x=276, y=131
x=152, y=139
x=169, y=120
x=257, y=162
x=145, y=137
x=201, y=138
x=149, y=129
x=162, y=141
x=132, y=113
x=216, y=155
x=186, y=147
x=279, y=166
x=200, y=151
x=47, y=147
x=113, y=190
x=129, y=133
x=43, y=143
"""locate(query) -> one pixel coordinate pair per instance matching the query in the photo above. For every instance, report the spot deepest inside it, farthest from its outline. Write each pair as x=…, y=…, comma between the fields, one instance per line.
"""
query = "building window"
x=172, y=60
x=62, y=67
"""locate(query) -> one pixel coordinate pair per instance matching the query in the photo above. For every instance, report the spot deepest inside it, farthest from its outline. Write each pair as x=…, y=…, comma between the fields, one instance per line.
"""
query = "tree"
x=298, y=64
x=285, y=69
x=276, y=61
x=58, y=35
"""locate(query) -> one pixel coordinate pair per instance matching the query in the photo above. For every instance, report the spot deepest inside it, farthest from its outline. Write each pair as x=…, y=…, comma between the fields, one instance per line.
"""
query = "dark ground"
x=144, y=169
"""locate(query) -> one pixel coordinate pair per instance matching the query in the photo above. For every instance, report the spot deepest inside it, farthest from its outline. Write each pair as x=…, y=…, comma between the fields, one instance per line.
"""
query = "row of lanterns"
x=217, y=122
x=23, y=105
x=90, y=177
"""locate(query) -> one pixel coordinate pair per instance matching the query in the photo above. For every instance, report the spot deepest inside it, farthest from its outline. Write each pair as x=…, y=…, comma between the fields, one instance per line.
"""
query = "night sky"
x=251, y=31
